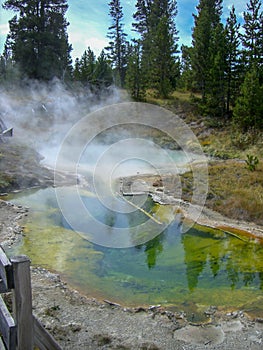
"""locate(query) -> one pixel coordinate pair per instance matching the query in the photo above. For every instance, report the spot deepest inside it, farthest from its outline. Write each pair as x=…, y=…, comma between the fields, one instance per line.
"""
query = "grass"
x=235, y=191
x=228, y=143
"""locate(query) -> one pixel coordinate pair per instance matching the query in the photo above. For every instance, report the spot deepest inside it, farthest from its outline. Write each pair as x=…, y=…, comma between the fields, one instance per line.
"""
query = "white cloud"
x=96, y=44
x=4, y=29
x=89, y=22
x=4, y=26
x=240, y=7
x=81, y=41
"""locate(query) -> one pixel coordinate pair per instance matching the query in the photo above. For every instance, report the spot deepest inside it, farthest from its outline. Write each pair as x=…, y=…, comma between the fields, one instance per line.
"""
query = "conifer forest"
x=222, y=69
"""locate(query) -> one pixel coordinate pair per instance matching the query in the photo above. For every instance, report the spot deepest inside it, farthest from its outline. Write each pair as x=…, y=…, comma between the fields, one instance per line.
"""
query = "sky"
x=89, y=22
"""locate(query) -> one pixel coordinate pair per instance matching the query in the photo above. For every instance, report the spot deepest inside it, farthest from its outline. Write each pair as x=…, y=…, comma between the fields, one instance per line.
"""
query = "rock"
x=209, y=335
x=158, y=183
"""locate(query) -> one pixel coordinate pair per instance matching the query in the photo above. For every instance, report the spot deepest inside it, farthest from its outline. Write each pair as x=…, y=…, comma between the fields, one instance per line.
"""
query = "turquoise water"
x=186, y=271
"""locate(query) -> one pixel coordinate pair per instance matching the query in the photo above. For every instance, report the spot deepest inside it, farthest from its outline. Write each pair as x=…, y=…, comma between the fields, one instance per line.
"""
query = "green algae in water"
x=189, y=271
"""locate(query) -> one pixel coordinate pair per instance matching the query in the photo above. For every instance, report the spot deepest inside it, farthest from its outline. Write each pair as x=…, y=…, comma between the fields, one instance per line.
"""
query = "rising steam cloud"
x=98, y=137
x=123, y=120
x=42, y=113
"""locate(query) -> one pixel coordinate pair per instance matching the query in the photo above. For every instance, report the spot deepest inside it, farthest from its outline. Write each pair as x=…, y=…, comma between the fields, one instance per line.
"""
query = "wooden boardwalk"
x=19, y=329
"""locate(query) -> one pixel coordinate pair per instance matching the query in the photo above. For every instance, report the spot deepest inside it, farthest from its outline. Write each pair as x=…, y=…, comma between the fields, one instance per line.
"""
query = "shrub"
x=252, y=162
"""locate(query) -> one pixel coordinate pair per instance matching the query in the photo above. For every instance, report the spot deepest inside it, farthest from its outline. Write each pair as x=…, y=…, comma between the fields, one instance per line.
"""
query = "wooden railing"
x=20, y=329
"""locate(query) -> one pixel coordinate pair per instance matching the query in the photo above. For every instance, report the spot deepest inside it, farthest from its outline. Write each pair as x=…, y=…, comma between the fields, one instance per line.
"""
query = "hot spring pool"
x=186, y=271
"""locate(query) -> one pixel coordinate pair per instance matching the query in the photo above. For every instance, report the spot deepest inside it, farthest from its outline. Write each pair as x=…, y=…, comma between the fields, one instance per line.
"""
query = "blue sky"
x=89, y=22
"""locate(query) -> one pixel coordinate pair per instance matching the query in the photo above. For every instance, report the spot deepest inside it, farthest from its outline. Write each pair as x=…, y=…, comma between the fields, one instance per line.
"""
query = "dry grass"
x=229, y=143
x=236, y=191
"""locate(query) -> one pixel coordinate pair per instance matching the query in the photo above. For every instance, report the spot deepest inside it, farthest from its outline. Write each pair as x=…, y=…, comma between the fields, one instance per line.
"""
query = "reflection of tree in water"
x=232, y=272
x=214, y=260
x=261, y=280
x=152, y=248
x=195, y=260
x=239, y=260
x=110, y=218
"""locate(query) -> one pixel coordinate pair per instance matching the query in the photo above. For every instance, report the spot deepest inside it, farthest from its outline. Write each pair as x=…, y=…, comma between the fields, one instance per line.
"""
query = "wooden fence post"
x=22, y=297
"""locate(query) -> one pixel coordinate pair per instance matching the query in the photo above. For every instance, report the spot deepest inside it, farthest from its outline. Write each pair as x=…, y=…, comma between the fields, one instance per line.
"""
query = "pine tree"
x=186, y=81
x=94, y=73
x=86, y=67
x=77, y=70
x=253, y=32
x=205, y=23
x=38, y=38
x=137, y=66
x=165, y=66
x=216, y=84
x=155, y=22
x=248, y=110
x=103, y=73
x=141, y=17
x=232, y=59
x=9, y=75
x=118, y=44
x=134, y=79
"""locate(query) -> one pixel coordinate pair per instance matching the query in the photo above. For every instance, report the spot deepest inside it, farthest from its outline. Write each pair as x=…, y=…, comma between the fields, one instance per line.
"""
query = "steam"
x=42, y=113
x=129, y=156
x=100, y=139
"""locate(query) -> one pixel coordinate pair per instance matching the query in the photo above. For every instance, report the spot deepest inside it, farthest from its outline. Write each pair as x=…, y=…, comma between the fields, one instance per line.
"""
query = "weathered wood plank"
x=22, y=301
x=3, y=288
x=7, y=326
x=25, y=331
x=42, y=338
x=6, y=270
x=2, y=346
